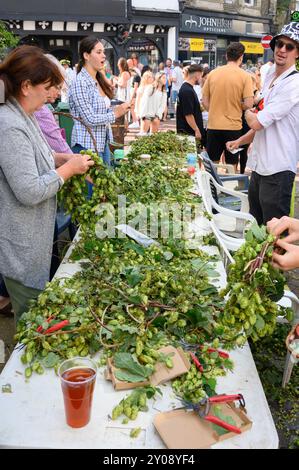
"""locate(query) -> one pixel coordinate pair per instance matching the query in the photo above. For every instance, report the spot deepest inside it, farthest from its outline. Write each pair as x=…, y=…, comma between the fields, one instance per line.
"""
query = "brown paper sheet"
x=162, y=374
x=181, y=429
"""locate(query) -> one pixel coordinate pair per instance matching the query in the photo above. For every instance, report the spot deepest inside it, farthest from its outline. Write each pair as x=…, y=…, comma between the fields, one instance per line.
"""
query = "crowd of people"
x=225, y=109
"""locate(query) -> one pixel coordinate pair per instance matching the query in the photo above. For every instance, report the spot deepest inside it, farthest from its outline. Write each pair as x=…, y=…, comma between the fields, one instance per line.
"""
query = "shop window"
x=297, y=6
x=250, y=3
x=51, y=42
x=111, y=59
x=59, y=42
x=221, y=43
x=147, y=52
x=197, y=50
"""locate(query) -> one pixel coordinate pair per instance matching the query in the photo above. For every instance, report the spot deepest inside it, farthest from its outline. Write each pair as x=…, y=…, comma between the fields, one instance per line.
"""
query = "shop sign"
x=206, y=24
x=197, y=44
x=253, y=47
x=144, y=46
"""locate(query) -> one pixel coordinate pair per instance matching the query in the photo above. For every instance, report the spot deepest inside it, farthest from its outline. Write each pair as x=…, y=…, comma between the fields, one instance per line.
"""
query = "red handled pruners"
x=205, y=406
x=196, y=362
x=193, y=348
x=53, y=328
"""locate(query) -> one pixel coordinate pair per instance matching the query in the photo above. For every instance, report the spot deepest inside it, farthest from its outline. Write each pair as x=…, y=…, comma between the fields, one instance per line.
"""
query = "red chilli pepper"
x=56, y=327
x=40, y=328
x=222, y=354
x=196, y=362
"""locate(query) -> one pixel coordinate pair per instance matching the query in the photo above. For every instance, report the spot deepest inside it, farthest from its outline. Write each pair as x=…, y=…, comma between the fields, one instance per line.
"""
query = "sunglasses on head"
x=289, y=46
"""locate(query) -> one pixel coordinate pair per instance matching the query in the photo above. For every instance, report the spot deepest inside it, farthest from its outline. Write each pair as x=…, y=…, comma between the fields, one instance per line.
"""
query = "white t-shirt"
x=264, y=70
x=197, y=89
x=153, y=103
x=178, y=75
x=276, y=147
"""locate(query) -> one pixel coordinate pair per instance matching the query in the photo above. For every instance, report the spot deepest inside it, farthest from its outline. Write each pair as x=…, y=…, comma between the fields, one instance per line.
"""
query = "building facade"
x=124, y=26
x=191, y=30
x=207, y=27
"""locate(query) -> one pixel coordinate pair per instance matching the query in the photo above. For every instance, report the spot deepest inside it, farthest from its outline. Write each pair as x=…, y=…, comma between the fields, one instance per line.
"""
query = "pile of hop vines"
x=126, y=299
x=162, y=143
x=74, y=193
x=254, y=286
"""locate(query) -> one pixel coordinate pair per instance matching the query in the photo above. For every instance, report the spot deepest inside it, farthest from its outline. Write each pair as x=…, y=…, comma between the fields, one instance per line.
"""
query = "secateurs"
x=192, y=348
x=204, y=406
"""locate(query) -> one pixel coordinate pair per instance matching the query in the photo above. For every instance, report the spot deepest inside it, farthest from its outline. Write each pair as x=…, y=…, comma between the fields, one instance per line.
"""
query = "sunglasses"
x=289, y=46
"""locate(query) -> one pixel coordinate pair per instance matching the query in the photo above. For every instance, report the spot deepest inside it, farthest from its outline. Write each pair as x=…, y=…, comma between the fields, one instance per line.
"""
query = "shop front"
x=204, y=37
x=124, y=27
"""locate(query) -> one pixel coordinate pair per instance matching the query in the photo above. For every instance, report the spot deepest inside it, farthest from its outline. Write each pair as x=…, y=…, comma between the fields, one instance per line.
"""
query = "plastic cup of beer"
x=77, y=377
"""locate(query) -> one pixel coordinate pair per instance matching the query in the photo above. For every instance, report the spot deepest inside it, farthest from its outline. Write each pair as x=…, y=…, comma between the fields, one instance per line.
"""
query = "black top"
x=188, y=103
x=136, y=79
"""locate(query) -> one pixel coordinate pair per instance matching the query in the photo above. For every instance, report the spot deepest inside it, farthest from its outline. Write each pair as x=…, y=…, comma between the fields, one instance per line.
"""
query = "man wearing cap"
x=275, y=132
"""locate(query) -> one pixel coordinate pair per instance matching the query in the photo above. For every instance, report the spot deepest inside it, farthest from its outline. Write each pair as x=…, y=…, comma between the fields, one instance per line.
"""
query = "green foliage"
x=254, y=286
x=269, y=355
x=131, y=370
x=135, y=402
x=227, y=419
x=7, y=39
x=283, y=5
x=161, y=143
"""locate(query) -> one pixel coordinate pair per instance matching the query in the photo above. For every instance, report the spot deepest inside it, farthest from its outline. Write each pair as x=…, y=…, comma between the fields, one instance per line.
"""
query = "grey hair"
x=57, y=63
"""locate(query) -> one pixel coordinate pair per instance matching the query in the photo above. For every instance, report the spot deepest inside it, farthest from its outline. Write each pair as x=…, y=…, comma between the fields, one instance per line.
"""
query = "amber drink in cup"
x=78, y=377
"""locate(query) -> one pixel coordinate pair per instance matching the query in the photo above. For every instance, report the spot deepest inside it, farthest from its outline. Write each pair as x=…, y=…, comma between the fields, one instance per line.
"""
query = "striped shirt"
x=51, y=130
x=86, y=103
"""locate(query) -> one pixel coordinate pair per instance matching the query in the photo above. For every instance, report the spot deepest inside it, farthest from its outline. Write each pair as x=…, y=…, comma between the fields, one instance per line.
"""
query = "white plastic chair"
x=228, y=224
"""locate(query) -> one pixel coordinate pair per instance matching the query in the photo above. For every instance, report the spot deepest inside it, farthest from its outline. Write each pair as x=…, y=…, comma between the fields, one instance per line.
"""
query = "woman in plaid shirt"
x=89, y=99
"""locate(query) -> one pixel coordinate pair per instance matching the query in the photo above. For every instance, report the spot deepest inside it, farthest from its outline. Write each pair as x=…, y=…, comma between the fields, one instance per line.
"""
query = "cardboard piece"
x=120, y=384
x=181, y=365
x=182, y=429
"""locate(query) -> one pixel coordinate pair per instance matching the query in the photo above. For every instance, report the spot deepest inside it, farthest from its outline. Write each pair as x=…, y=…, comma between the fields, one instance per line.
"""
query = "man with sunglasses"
x=275, y=132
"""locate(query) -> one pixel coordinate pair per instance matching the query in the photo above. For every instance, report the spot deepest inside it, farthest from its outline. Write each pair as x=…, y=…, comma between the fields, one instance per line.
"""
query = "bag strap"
x=292, y=73
x=68, y=115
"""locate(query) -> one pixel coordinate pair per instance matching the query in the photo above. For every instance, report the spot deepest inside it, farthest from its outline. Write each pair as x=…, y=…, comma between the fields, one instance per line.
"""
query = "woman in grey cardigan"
x=30, y=175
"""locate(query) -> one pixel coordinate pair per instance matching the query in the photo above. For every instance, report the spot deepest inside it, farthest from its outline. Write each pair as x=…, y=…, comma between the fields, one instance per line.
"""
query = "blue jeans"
x=106, y=156
x=174, y=95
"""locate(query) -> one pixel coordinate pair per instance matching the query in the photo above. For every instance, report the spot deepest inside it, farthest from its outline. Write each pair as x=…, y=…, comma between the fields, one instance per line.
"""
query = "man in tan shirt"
x=227, y=92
